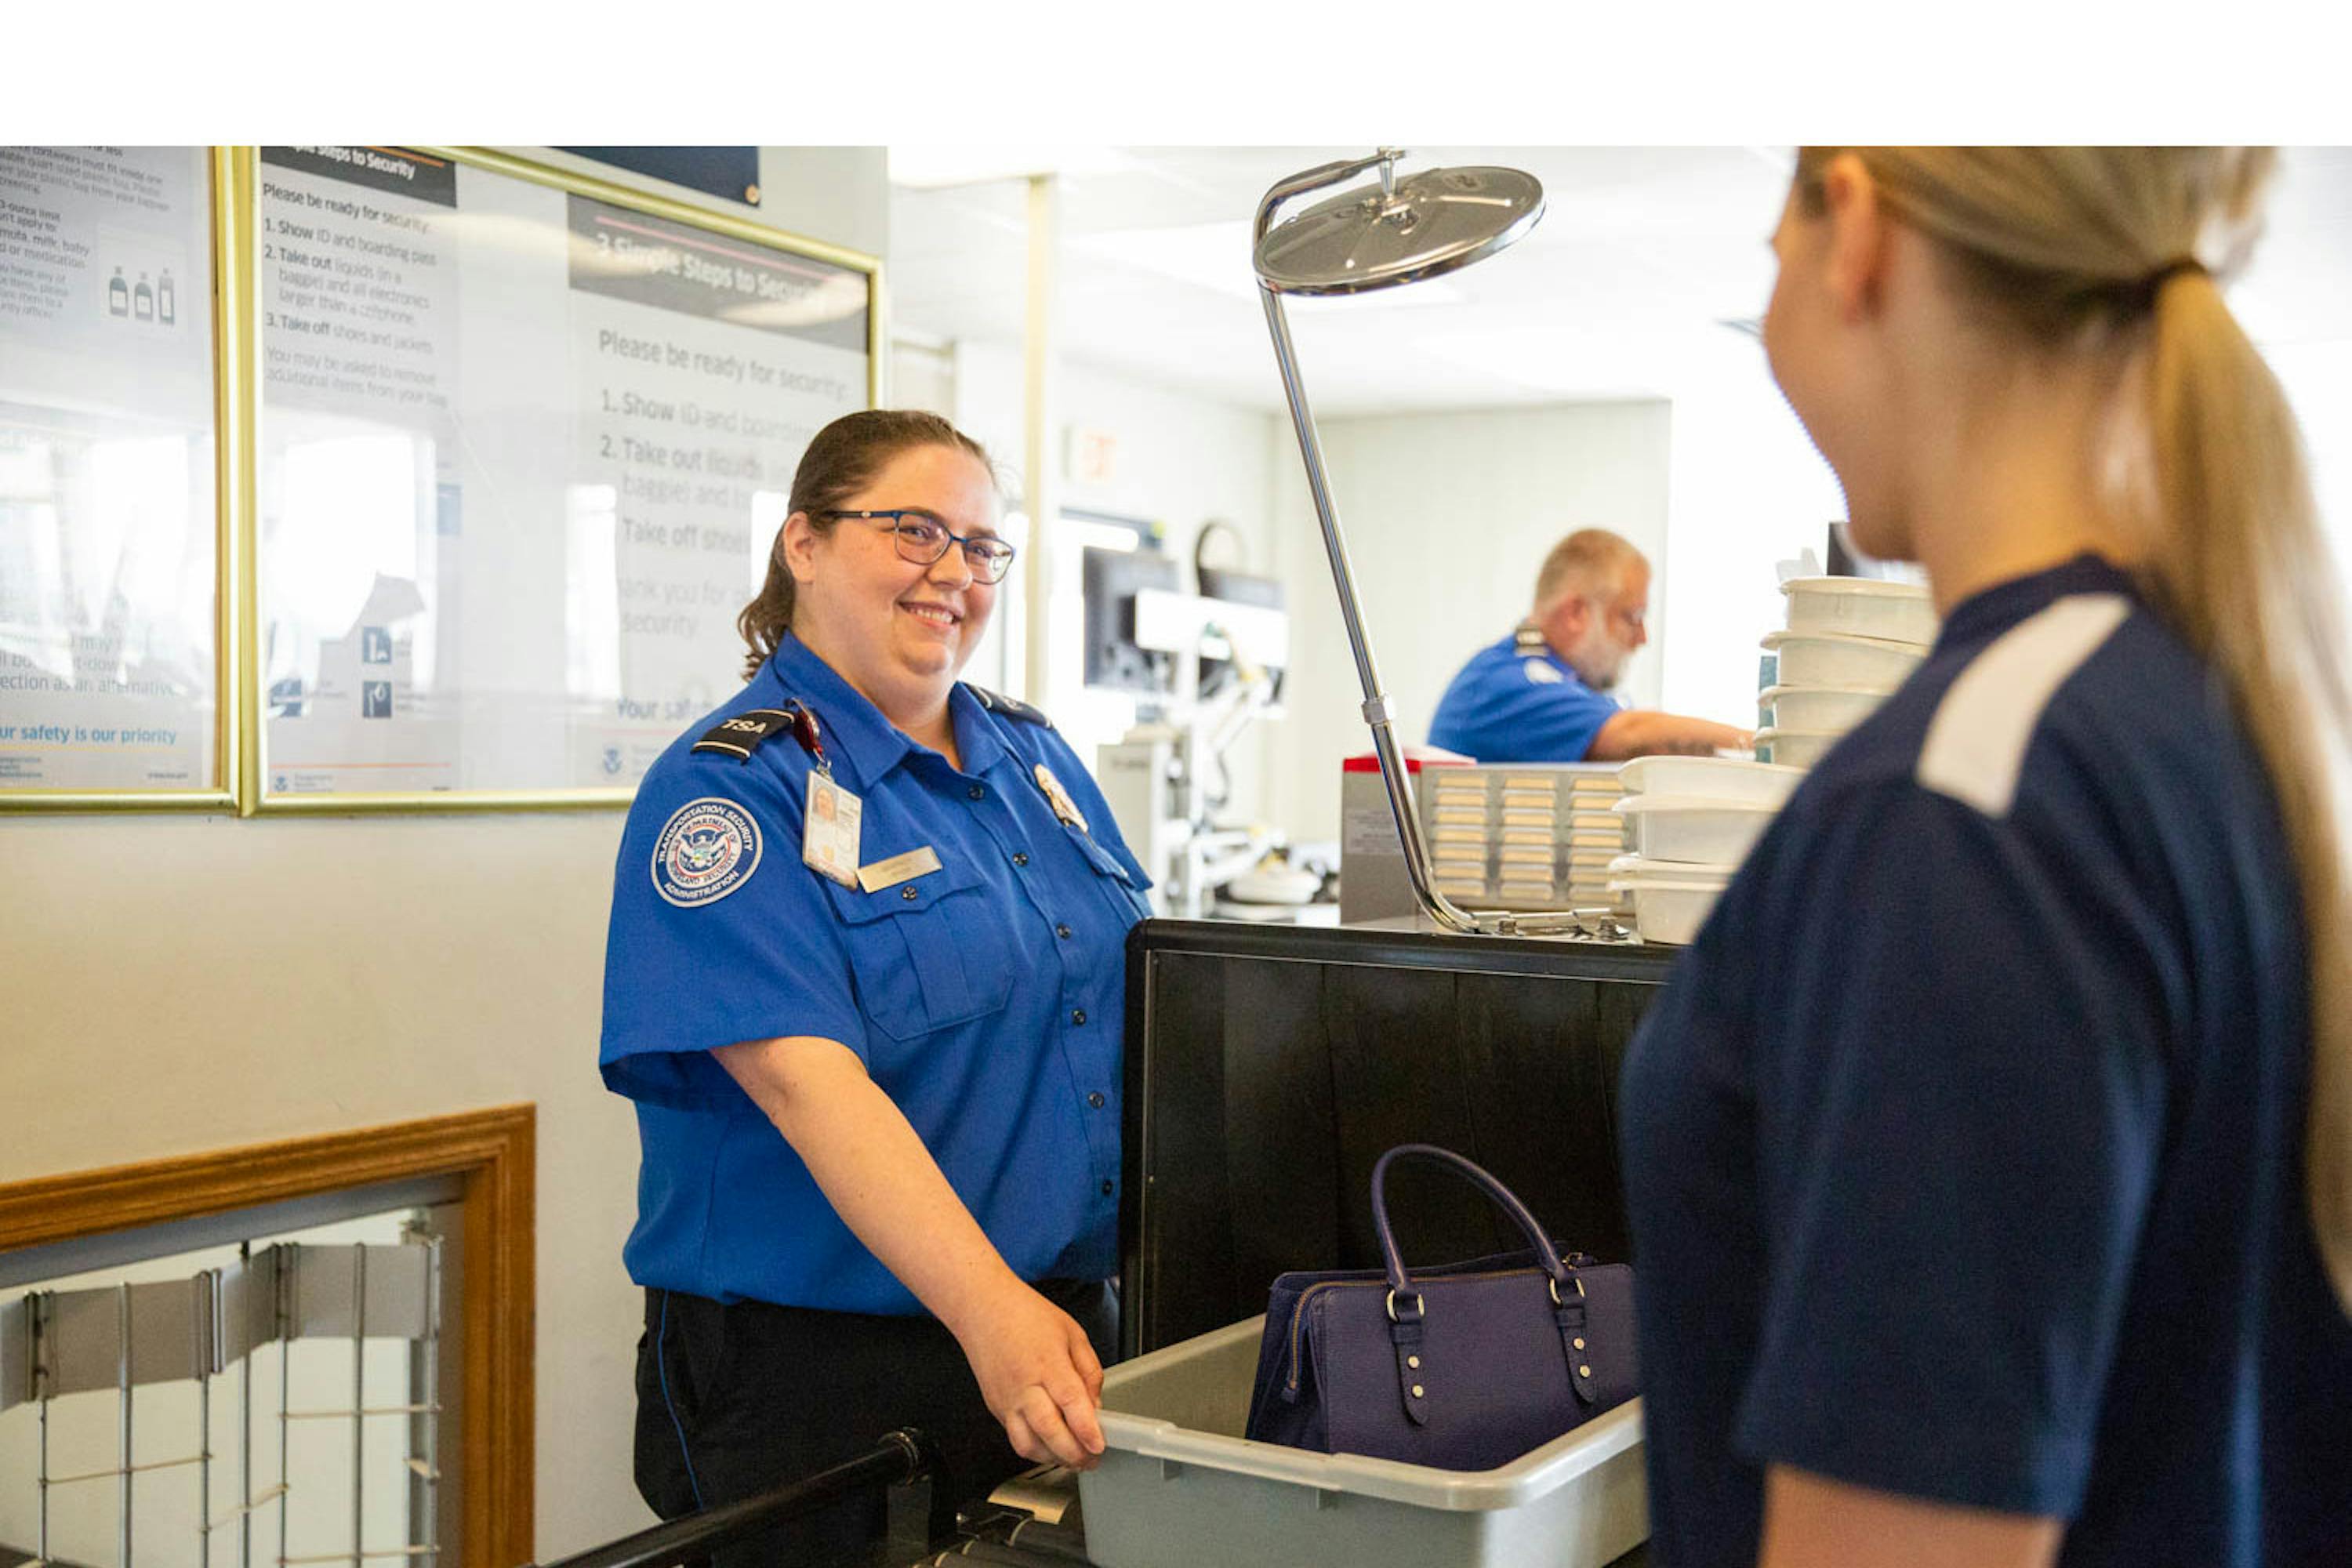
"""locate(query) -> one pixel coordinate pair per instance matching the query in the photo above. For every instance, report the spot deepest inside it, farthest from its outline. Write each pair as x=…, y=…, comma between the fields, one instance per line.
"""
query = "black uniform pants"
x=737, y=1400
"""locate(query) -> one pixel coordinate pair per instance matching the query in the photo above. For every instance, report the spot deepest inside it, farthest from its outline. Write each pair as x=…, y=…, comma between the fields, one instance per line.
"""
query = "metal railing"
x=900, y=1459
x=128, y=1338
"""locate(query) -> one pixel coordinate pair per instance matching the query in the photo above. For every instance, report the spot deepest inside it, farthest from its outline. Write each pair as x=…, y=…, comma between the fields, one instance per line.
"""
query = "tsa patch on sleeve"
x=1540, y=673
x=708, y=848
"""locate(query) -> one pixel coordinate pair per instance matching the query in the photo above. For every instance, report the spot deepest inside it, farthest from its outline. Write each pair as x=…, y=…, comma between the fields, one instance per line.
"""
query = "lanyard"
x=802, y=725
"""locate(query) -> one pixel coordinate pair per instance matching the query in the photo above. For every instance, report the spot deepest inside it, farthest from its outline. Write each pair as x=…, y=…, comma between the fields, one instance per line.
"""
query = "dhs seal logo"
x=708, y=848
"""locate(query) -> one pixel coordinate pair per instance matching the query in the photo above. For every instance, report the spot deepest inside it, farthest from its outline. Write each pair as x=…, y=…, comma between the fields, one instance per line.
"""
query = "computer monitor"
x=1115, y=661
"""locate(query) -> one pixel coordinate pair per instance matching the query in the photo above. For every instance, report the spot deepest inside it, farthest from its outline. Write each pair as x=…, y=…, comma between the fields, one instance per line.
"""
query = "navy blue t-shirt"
x=1964, y=1151
x=1518, y=701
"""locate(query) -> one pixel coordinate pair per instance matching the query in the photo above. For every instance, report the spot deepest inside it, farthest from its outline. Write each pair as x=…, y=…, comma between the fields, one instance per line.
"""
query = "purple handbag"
x=1462, y=1367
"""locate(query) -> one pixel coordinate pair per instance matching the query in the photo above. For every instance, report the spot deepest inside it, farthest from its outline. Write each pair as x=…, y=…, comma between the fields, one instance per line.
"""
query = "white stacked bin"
x=1849, y=643
x=1690, y=821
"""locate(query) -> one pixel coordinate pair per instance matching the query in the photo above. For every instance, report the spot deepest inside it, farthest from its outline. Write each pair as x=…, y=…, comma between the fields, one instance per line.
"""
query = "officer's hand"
x=1039, y=1377
x=1705, y=739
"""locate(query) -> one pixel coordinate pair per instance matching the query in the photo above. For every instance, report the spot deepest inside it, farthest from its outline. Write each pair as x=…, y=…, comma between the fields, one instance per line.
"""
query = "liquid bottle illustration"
x=166, y=302
x=118, y=295
x=142, y=300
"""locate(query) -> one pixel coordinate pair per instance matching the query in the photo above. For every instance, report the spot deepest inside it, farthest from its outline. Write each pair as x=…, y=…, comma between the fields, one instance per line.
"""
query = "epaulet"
x=1009, y=707
x=741, y=735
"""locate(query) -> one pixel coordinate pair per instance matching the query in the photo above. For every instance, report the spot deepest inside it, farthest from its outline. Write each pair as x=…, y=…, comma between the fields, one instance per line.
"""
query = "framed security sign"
x=118, y=470
x=523, y=441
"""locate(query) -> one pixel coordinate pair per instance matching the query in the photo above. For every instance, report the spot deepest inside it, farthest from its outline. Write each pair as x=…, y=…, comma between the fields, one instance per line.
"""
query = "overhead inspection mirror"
x=1385, y=233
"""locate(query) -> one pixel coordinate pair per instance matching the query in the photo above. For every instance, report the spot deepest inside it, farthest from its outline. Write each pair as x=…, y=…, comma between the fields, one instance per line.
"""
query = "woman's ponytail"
x=2245, y=572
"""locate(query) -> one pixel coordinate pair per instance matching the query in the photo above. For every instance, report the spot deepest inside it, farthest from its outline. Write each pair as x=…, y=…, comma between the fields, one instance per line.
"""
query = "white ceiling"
x=1642, y=255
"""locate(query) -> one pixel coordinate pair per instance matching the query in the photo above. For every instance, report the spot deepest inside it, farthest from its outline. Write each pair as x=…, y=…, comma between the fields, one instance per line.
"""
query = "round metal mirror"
x=1400, y=231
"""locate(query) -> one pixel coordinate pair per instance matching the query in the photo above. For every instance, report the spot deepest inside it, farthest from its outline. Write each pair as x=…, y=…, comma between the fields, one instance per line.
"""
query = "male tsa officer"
x=1540, y=695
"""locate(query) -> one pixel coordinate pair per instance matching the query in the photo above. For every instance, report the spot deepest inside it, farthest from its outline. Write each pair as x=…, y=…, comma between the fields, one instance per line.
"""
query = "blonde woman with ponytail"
x=1989, y=1158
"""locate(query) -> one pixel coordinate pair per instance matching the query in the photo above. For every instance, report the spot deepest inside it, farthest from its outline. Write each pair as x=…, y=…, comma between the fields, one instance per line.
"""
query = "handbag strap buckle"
x=1417, y=1305
x=1555, y=1290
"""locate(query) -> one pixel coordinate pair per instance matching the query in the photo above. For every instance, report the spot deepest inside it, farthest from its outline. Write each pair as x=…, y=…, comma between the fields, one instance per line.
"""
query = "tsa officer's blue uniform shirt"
x=986, y=998
x=1517, y=701
x=1964, y=1148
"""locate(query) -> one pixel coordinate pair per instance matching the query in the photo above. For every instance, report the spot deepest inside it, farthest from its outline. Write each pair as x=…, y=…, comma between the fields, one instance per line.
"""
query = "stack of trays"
x=1526, y=836
x=1850, y=642
x=1456, y=816
x=1689, y=822
x=1530, y=823
x=1596, y=837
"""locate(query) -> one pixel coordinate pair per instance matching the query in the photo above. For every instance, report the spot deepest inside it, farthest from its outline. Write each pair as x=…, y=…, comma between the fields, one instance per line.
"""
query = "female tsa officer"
x=866, y=983
x=1989, y=1157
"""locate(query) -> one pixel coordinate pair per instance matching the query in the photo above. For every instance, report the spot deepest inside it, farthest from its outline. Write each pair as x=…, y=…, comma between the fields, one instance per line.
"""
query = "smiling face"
x=898, y=631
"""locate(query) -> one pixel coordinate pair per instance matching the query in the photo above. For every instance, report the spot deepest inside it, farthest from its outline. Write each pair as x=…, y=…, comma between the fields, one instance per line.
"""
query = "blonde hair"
x=2122, y=249
x=1589, y=562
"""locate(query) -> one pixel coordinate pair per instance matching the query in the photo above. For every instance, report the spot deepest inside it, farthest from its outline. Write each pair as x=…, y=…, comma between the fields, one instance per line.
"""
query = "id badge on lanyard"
x=829, y=833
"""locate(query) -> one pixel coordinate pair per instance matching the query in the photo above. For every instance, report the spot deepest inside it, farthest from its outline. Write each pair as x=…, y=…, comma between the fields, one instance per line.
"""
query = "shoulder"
x=739, y=752
x=2024, y=771
x=711, y=822
x=1011, y=708
x=1027, y=730
x=2029, y=695
x=1509, y=666
x=2091, y=737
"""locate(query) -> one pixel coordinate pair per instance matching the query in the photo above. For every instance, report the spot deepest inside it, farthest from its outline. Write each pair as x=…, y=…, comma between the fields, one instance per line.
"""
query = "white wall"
x=1749, y=490
x=2318, y=381
x=1447, y=517
x=183, y=983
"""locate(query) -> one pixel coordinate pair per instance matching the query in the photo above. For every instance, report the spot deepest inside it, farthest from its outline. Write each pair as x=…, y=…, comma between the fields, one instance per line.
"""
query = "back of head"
x=1591, y=563
x=2121, y=252
x=842, y=460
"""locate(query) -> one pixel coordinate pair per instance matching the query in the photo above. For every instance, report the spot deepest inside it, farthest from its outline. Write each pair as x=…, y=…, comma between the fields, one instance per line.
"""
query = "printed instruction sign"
x=523, y=453
x=108, y=522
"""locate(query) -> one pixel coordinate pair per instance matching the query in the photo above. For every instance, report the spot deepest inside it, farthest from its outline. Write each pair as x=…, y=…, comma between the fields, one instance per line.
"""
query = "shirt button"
x=979, y=792
x=1021, y=859
x=1095, y=1100
x=1062, y=931
x=910, y=895
x=1108, y=1189
x=1078, y=1015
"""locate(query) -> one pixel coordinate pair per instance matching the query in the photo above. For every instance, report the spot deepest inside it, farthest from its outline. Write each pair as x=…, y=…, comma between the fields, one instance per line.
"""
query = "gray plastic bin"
x=1179, y=1487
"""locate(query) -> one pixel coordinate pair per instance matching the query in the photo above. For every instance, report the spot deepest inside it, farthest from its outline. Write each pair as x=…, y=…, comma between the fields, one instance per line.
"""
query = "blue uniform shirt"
x=1963, y=1151
x=986, y=998
x=1517, y=701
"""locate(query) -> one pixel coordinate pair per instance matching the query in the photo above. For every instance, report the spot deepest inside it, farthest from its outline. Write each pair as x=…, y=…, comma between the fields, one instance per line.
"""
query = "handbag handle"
x=1400, y=1284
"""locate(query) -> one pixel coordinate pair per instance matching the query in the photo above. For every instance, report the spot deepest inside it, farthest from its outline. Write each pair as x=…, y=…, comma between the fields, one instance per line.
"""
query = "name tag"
x=899, y=868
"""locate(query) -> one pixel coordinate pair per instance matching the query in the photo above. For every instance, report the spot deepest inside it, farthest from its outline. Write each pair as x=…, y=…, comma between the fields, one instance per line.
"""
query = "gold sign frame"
x=239, y=778
x=231, y=204
x=253, y=798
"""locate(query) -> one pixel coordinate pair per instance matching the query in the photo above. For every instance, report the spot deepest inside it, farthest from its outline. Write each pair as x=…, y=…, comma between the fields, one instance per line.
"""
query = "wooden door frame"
x=491, y=1151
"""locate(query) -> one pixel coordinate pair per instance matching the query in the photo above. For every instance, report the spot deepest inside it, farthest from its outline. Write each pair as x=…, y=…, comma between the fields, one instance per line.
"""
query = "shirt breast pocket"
x=927, y=953
x=1126, y=900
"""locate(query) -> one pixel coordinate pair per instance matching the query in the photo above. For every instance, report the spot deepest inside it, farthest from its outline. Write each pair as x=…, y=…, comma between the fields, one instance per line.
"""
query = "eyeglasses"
x=922, y=539
x=1635, y=619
